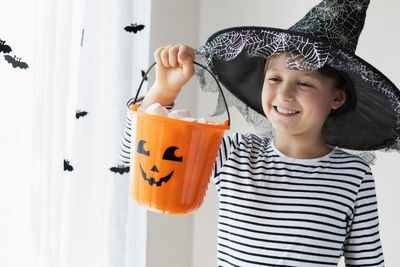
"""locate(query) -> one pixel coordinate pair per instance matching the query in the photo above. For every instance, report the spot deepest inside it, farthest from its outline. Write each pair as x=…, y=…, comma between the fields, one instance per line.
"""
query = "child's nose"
x=287, y=92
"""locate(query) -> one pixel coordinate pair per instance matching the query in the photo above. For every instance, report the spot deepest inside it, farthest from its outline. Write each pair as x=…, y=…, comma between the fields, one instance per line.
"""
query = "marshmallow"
x=189, y=119
x=179, y=114
x=201, y=120
x=157, y=109
x=182, y=114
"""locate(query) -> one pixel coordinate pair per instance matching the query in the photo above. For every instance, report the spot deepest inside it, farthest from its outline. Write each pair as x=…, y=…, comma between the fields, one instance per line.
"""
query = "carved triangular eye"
x=169, y=154
x=140, y=148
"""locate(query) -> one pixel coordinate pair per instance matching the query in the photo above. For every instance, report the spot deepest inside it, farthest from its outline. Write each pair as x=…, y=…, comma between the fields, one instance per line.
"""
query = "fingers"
x=165, y=57
x=174, y=56
x=185, y=54
x=186, y=57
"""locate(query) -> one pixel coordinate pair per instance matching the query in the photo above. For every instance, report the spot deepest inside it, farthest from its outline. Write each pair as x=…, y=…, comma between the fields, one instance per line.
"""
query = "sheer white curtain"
x=68, y=108
x=16, y=120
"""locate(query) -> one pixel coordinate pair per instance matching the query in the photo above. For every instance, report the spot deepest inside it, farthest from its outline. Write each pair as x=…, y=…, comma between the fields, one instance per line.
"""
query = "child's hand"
x=174, y=67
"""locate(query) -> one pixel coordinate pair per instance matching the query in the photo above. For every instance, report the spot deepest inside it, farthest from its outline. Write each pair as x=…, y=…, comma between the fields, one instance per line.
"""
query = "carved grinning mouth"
x=152, y=180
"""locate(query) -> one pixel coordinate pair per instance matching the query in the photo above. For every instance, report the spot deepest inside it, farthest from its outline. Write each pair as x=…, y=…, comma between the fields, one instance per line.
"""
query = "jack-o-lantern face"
x=169, y=154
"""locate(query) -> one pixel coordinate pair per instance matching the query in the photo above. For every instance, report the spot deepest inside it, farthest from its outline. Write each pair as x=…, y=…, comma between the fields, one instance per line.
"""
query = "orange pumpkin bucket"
x=172, y=160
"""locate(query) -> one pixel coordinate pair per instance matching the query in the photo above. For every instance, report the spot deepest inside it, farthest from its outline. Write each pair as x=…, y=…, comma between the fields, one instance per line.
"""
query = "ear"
x=339, y=99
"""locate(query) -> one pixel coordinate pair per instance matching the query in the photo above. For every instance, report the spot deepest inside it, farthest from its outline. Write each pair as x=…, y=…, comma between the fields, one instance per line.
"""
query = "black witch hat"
x=327, y=35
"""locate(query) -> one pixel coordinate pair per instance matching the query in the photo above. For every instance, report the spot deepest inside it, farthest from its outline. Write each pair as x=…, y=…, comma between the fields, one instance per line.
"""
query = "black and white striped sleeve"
x=228, y=144
x=363, y=245
x=125, y=147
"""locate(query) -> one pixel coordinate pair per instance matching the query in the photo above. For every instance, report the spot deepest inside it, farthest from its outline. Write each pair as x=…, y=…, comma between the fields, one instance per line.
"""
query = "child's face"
x=298, y=102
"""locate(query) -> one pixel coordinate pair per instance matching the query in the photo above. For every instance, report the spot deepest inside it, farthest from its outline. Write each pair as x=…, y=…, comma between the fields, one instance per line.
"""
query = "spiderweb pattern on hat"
x=339, y=21
x=355, y=66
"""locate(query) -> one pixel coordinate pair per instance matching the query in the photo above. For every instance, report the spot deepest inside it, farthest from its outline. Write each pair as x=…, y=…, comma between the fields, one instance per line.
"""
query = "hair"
x=340, y=82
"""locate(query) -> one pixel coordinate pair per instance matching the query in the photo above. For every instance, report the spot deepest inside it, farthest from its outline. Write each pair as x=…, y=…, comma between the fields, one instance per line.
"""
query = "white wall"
x=169, y=237
x=190, y=240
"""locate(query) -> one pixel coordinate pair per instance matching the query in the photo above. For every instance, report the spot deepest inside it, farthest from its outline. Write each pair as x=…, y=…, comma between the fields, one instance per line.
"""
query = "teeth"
x=285, y=111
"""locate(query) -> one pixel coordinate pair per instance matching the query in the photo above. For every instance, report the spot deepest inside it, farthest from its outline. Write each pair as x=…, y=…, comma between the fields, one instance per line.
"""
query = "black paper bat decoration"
x=143, y=73
x=121, y=169
x=16, y=62
x=80, y=114
x=134, y=28
x=67, y=166
x=4, y=48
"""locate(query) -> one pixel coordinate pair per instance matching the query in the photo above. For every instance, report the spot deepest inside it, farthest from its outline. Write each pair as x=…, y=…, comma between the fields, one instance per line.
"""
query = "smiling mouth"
x=285, y=112
x=152, y=180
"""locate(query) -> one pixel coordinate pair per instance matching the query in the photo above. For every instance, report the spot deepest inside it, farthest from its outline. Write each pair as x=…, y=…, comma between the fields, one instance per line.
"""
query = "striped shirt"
x=279, y=211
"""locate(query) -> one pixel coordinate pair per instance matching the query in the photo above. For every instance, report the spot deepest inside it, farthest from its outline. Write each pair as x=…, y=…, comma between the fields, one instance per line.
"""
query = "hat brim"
x=237, y=57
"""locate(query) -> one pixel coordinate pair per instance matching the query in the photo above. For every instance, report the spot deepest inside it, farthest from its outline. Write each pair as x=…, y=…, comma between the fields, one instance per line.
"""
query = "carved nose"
x=154, y=169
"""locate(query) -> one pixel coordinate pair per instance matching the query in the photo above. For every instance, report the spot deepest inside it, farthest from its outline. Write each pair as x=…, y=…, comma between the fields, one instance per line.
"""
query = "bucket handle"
x=204, y=67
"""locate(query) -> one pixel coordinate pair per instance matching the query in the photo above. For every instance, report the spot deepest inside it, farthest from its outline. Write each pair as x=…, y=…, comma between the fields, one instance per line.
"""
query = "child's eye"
x=274, y=79
x=305, y=84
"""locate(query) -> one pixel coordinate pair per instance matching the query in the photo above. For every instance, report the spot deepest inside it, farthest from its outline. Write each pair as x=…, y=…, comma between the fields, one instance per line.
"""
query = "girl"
x=294, y=199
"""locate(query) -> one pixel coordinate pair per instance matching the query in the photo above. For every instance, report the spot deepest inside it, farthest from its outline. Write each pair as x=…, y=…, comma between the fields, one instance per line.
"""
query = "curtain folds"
x=83, y=67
